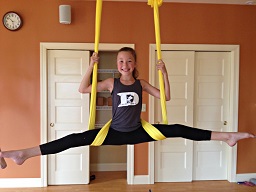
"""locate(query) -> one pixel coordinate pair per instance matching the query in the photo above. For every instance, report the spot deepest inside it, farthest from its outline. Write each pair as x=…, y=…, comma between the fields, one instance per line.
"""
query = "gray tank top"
x=126, y=106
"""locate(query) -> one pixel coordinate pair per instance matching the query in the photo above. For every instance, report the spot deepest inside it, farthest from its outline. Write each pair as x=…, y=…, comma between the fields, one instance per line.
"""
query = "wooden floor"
x=116, y=182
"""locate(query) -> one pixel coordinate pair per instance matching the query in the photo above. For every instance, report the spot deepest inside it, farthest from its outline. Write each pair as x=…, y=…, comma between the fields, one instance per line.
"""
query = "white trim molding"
x=234, y=91
x=141, y=180
x=21, y=182
x=245, y=177
x=130, y=164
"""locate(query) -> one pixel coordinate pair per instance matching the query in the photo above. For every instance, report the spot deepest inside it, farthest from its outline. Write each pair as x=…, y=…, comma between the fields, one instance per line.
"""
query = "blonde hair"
x=135, y=72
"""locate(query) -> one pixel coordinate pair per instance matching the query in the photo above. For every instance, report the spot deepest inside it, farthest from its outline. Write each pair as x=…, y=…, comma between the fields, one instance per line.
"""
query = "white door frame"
x=234, y=93
x=43, y=98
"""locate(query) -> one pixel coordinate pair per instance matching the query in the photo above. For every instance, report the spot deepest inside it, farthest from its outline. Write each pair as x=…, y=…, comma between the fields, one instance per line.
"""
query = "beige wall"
x=121, y=23
x=108, y=155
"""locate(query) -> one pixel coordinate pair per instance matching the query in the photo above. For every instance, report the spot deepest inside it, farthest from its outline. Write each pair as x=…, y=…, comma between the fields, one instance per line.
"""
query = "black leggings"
x=121, y=138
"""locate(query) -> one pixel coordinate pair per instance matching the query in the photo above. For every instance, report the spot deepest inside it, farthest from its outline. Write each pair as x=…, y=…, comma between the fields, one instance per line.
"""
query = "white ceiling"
x=239, y=2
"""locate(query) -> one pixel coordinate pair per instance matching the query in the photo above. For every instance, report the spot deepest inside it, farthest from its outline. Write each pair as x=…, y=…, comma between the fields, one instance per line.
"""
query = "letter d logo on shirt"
x=128, y=99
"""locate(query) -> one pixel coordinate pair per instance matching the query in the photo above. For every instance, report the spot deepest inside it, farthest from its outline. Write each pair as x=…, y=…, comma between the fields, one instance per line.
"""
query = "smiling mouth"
x=125, y=70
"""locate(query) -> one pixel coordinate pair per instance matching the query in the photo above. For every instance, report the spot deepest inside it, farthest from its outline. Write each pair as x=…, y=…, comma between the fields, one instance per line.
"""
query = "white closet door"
x=204, y=104
x=173, y=157
x=211, y=112
x=68, y=112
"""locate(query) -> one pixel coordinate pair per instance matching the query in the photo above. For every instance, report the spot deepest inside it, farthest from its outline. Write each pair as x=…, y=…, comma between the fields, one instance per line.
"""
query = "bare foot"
x=17, y=156
x=20, y=156
x=234, y=137
x=3, y=164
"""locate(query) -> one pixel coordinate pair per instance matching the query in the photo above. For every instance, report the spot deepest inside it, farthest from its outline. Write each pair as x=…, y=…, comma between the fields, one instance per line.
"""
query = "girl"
x=126, y=108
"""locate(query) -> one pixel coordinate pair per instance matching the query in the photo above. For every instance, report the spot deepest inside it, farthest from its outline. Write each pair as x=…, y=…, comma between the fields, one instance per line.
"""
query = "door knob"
x=225, y=123
x=52, y=124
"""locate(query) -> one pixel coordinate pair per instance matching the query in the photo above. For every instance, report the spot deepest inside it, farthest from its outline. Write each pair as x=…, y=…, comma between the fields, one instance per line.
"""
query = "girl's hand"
x=94, y=59
x=161, y=66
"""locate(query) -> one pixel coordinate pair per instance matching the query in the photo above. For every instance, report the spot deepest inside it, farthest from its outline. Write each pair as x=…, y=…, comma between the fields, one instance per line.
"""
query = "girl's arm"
x=153, y=90
x=161, y=66
x=85, y=86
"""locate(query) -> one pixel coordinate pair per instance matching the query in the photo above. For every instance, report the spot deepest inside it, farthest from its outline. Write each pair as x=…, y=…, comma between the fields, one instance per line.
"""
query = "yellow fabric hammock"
x=150, y=129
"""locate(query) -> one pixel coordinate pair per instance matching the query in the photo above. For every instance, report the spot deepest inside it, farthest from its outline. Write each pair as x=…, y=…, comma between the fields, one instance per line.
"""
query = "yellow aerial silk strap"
x=152, y=131
x=99, y=139
x=95, y=67
x=155, y=4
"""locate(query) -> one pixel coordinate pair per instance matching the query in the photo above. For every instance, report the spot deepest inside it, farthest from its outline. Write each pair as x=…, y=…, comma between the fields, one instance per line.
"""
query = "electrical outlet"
x=143, y=108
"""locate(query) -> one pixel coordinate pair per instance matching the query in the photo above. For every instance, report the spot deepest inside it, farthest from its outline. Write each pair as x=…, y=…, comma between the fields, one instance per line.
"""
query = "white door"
x=207, y=108
x=173, y=159
x=68, y=112
x=211, y=112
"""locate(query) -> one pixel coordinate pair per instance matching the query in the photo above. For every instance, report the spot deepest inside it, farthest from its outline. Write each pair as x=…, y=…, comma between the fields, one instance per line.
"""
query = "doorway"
x=233, y=100
x=45, y=123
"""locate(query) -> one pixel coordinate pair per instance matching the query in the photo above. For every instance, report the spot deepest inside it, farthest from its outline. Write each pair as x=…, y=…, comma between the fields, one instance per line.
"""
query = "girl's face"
x=125, y=63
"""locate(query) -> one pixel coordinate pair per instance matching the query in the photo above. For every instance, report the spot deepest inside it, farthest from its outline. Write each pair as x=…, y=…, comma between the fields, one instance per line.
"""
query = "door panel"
x=68, y=112
x=211, y=110
x=173, y=160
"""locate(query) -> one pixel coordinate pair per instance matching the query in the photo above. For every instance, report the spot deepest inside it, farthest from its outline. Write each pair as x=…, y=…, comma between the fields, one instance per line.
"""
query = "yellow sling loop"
x=155, y=4
x=150, y=129
x=95, y=67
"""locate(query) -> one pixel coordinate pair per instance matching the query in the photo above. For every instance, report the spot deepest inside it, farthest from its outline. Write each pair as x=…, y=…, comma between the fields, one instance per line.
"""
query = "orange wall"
x=121, y=23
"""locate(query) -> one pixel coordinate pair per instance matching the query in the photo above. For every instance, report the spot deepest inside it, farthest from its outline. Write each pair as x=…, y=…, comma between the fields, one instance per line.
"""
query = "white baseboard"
x=108, y=167
x=245, y=177
x=141, y=179
x=20, y=182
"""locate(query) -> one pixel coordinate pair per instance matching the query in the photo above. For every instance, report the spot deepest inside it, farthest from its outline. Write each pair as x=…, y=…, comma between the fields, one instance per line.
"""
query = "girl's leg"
x=119, y=138
x=177, y=130
x=171, y=131
x=56, y=146
x=70, y=141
